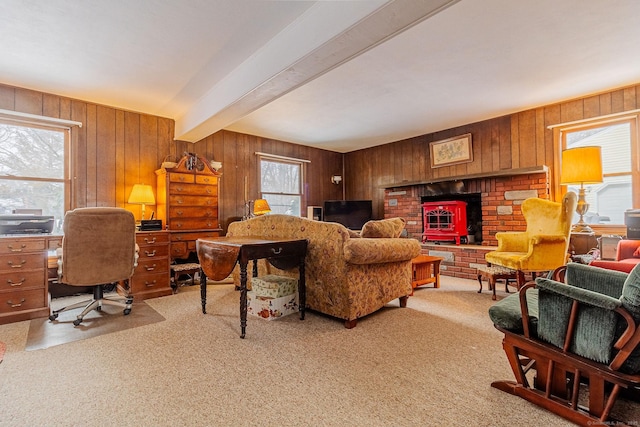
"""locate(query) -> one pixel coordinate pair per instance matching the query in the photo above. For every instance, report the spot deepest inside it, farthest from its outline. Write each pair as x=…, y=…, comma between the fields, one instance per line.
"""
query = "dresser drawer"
x=14, y=302
x=151, y=266
x=195, y=235
x=19, y=262
x=54, y=243
x=11, y=246
x=17, y=280
x=182, y=177
x=184, y=200
x=206, y=179
x=179, y=249
x=194, y=223
x=180, y=212
x=193, y=189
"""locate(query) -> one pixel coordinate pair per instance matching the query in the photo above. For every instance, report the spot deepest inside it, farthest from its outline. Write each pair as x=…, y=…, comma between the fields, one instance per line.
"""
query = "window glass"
x=608, y=200
x=32, y=169
x=281, y=186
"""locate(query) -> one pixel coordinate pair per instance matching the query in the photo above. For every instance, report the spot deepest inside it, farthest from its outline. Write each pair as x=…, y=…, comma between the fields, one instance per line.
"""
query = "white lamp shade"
x=581, y=165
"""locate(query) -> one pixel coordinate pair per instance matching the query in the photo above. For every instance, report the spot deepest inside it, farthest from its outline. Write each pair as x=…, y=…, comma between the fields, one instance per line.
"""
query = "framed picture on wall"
x=451, y=151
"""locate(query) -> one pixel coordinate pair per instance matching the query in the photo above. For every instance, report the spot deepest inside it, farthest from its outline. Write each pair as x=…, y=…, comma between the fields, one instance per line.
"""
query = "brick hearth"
x=501, y=198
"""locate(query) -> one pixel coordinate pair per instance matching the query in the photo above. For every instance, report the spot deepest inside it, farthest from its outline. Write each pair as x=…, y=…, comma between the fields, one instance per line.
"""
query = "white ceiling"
x=337, y=75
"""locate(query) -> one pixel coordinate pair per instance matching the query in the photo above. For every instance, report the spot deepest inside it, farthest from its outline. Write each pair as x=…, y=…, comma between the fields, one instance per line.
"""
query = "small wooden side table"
x=493, y=273
x=425, y=269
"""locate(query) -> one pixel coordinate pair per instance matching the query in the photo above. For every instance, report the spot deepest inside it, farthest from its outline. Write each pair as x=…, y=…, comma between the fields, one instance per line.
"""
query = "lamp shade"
x=581, y=165
x=261, y=207
x=142, y=194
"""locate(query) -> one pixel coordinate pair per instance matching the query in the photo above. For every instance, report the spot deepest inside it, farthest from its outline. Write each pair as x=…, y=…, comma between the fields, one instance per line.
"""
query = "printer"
x=26, y=224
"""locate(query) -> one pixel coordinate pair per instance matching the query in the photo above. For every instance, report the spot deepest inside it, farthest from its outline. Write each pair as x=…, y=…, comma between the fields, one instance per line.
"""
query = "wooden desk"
x=218, y=257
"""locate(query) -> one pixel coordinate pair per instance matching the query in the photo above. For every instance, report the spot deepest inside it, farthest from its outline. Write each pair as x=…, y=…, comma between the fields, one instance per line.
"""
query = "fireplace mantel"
x=506, y=172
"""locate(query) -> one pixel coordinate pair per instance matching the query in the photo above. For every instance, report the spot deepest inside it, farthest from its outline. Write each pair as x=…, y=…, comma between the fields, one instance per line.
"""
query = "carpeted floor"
x=430, y=364
x=44, y=333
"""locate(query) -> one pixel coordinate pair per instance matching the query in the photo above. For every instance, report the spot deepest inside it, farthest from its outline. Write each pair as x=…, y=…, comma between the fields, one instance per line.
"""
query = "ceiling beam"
x=322, y=39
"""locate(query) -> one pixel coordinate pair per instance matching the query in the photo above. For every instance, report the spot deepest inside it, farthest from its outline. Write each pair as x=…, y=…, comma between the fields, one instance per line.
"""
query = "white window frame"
x=285, y=160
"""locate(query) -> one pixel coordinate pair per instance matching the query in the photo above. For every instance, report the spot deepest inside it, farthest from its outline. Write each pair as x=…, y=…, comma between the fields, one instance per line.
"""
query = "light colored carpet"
x=430, y=364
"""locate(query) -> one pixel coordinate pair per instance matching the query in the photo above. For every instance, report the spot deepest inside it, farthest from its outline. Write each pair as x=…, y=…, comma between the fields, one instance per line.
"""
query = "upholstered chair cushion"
x=391, y=227
x=506, y=313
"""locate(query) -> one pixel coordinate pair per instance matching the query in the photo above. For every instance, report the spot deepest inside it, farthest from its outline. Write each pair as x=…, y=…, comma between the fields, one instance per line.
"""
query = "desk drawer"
x=144, y=239
x=151, y=266
x=14, y=302
x=11, y=246
x=157, y=251
x=147, y=282
x=18, y=280
x=19, y=262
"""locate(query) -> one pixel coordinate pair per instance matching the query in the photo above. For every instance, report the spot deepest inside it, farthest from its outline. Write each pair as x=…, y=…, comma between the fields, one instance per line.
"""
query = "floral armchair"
x=347, y=275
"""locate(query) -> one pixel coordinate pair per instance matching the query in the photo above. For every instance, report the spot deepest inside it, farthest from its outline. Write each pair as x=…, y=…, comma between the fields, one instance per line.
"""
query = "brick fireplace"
x=500, y=200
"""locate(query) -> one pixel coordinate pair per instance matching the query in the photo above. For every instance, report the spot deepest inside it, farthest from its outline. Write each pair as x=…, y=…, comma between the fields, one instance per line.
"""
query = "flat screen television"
x=351, y=213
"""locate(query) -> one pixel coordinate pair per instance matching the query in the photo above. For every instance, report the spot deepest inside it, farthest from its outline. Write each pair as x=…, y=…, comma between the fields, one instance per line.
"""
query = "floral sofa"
x=347, y=276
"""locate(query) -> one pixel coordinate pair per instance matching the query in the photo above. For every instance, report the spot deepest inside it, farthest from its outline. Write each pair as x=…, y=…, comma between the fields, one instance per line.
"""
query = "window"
x=281, y=184
x=620, y=187
x=33, y=169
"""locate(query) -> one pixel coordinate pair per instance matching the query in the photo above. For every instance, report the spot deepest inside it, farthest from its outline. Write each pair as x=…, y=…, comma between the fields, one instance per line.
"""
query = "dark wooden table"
x=218, y=256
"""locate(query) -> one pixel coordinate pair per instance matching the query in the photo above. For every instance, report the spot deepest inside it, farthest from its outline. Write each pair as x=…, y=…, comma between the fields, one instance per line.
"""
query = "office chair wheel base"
x=126, y=311
x=77, y=322
x=53, y=317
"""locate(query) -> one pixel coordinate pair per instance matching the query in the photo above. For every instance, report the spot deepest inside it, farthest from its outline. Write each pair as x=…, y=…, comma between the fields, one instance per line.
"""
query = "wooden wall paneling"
x=572, y=110
x=91, y=194
x=148, y=152
x=552, y=152
x=7, y=97
x=591, y=107
x=506, y=144
x=28, y=101
x=51, y=105
x=65, y=108
x=479, y=135
x=629, y=98
x=526, y=139
x=132, y=156
x=617, y=101
x=540, y=132
x=404, y=162
x=79, y=155
x=165, y=141
x=105, y=156
x=605, y=103
x=121, y=191
x=515, y=138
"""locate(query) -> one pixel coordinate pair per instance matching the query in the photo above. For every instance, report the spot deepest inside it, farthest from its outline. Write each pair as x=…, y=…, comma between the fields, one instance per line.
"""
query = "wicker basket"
x=167, y=163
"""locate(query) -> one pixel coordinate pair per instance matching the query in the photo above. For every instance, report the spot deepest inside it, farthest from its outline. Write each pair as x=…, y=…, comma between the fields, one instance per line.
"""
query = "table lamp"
x=261, y=207
x=581, y=165
x=142, y=194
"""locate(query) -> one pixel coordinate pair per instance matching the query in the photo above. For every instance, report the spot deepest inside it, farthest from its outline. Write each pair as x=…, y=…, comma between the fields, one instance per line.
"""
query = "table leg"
x=203, y=291
x=243, y=298
x=302, y=290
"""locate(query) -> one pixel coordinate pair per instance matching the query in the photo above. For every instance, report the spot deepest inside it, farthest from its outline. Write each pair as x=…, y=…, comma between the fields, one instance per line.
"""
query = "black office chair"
x=98, y=248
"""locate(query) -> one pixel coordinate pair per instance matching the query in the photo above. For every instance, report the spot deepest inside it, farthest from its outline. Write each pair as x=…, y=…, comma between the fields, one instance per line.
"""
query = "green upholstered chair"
x=98, y=248
x=576, y=331
x=545, y=243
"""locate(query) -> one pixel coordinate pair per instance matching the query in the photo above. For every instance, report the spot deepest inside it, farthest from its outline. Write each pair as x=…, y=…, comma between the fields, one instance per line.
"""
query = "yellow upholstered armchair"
x=545, y=243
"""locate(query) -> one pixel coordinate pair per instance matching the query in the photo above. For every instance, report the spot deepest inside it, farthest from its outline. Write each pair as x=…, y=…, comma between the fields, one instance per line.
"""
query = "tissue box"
x=274, y=286
x=271, y=308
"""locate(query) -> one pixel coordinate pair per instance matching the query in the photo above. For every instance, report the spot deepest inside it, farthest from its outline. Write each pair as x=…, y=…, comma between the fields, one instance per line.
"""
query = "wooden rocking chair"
x=573, y=347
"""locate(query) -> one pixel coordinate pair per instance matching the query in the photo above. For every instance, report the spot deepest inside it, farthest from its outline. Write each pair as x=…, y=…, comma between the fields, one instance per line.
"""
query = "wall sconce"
x=142, y=194
x=336, y=179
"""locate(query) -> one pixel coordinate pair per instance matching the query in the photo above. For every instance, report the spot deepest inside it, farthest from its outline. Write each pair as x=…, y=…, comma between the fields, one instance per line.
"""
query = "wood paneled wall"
x=514, y=141
x=115, y=149
x=237, y=151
